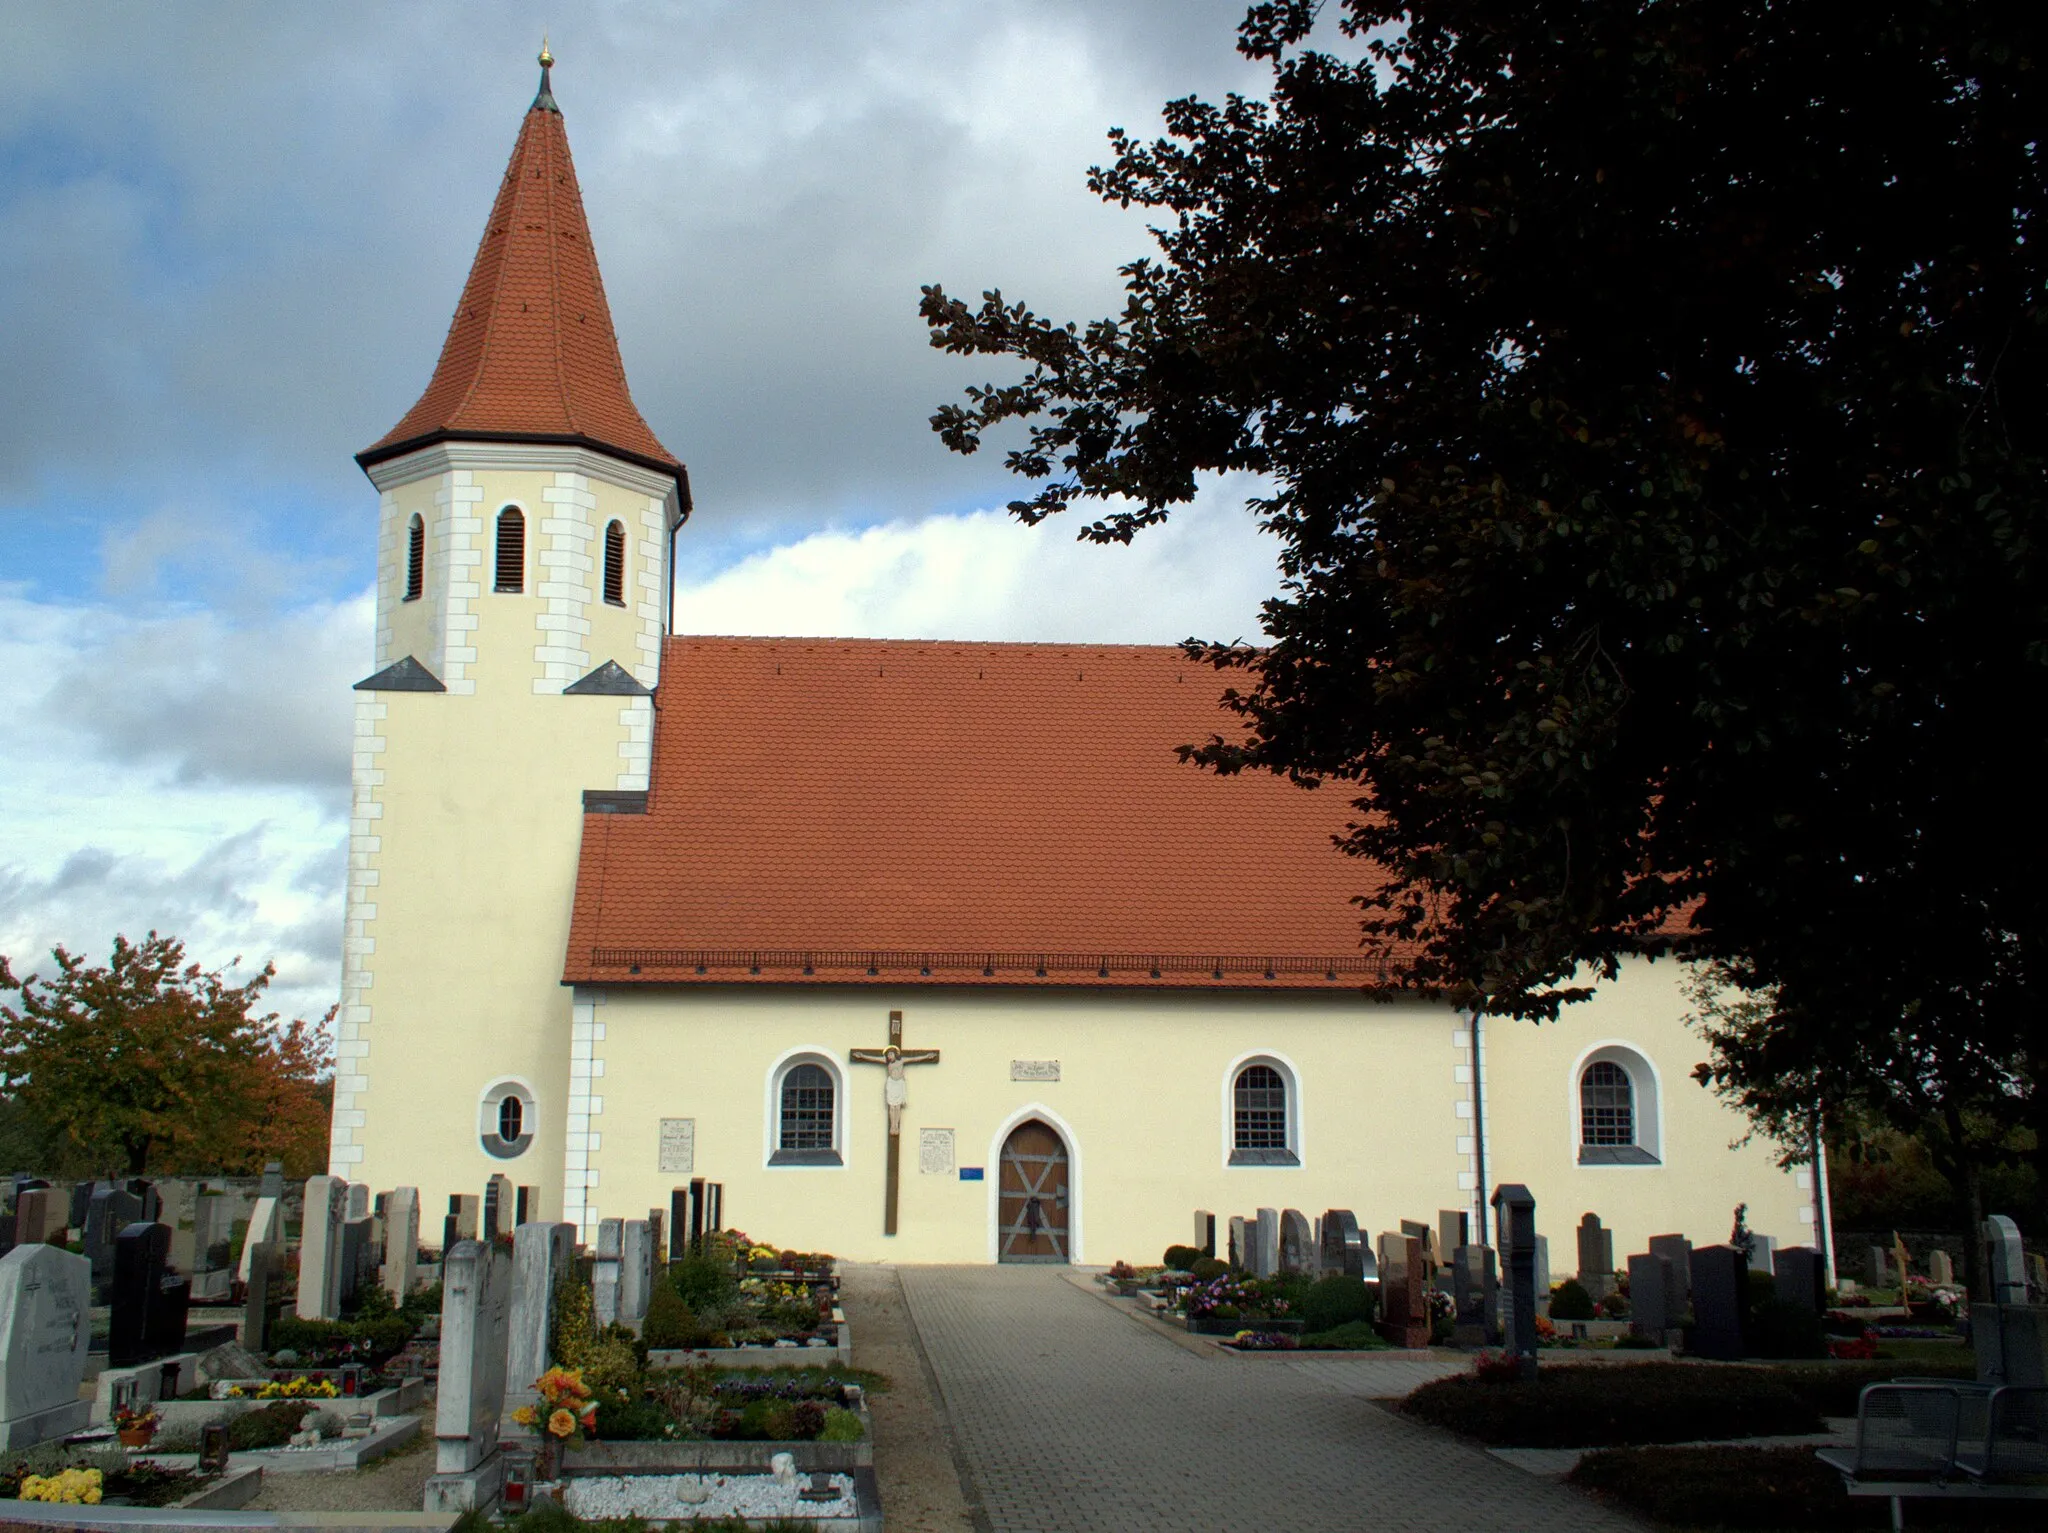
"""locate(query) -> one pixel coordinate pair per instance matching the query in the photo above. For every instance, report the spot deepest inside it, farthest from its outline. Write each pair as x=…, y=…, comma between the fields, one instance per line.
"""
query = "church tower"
x=525, y=520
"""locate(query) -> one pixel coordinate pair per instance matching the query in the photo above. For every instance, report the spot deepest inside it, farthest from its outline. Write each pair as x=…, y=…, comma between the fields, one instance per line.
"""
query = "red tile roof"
x=904, y=812
x=531, y=354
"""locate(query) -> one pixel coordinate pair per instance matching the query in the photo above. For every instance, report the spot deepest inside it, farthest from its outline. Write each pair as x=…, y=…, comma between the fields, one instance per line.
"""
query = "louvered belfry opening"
x=615, y=564
x=415, y=559
x=511, y=550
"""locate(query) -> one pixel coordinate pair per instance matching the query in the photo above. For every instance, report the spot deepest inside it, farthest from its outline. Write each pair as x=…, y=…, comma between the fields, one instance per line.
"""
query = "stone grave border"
x=866, y=1492
x=716, y=1457
x=761, y=1356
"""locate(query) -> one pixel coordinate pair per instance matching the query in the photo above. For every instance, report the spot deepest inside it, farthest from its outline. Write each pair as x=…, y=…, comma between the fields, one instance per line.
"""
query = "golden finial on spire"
x=546, y=58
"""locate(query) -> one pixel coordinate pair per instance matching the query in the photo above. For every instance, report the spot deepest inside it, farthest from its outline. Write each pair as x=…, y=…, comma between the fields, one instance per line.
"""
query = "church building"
x=925, y=951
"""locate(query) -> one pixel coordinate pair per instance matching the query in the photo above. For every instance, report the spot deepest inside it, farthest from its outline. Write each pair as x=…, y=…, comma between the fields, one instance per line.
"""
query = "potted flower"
x=135, y=1426
x=566, y=1413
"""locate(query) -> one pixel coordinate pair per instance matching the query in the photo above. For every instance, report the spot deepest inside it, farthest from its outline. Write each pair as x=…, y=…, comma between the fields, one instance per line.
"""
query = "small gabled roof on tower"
x=531, y=355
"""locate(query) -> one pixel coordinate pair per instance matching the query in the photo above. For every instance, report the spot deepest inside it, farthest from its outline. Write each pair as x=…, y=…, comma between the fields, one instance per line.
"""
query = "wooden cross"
x=895, y=1094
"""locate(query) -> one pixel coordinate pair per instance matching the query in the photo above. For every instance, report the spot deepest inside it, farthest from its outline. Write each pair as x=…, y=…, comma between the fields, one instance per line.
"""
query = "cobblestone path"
x=1072, y=1416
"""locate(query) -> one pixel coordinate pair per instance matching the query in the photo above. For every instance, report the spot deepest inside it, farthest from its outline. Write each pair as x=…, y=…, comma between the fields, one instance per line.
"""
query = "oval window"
x=511, y=1115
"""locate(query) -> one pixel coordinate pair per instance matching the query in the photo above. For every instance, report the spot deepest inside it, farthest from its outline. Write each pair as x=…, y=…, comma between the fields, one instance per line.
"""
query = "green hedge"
x=1832, y=1388
x=1723, y=1487
x=1613, y=1405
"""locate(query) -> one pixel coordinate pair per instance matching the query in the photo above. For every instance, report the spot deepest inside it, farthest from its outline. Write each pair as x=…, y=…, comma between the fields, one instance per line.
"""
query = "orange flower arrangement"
x=566, y=1405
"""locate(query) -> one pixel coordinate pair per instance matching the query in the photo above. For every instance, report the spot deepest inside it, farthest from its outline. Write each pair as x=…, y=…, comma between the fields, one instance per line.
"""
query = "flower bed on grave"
x=741, y=1293
x=52, y=1472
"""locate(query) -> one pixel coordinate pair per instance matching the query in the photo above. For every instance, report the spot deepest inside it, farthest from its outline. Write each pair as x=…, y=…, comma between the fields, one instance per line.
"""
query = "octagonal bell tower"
x=525, y=518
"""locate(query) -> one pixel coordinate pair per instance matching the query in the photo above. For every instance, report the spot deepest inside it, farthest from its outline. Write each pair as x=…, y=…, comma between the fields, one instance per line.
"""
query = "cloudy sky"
x=231, y=236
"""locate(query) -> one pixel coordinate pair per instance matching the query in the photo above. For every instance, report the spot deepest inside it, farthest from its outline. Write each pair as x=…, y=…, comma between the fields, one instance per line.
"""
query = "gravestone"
x=636, y=1271
x=2005, y=1260
x=497, y=1209
x=1343, y=1245
x=34, y=1213
x=81, y=1203
x=464, y=1212
x=180, y=1200
x=1677, y=1250
x=476, y=1295
x=541, y=1255
x=1596, y=1257
x=1941, y=1270
x=401, y=1242
x=1205, y=1232
x=1266, y=1244
x=605, y=1276
x=1514, y=1210
x=110, y=1210
x=1649, y=1288
x=678, y=1224
x=272, y=1185
x=320, y=1236
x=526, y=1207
x=266, y=1227
x=213, y=1233
x=1475, y=1290
x=359, y=1201
x=264, y=1264
x=1876, y=1267
x=1240, y=1244
x=1416, y=1230
x=1404, y=1300
x=1297, y=1243
x=2037, y=1279
x=716, y=1193
x=699, y=1208
x=1801, y=1275
x=657, y=1228
x=140, y=1253
x=45, y=1332
x=355, y=1251
x=1763, y=1253
x=1720, y=1294
x=1453, y=1229
x=1543, y=1274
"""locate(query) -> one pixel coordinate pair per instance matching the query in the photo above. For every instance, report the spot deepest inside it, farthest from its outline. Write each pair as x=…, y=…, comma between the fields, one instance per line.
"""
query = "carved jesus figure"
x=895, y=1089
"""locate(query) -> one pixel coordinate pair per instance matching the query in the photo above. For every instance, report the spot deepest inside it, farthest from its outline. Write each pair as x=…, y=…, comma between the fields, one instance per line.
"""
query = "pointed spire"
x=531, y=355
x=545, y=100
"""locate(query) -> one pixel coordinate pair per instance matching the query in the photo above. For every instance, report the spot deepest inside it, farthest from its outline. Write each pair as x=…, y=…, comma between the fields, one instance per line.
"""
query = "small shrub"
x=806, y=1420
x=268, y=1426
x=1336, y=1300
x=1613, y=1405
x=703, y=1282
x=669, y=1322
x=841, y=1426
x=1615, y=1306
x=1720, y=1487
x=1182, y=1258
x=1208, y=1268
x=1570, y=1301
x=1636, y=1341
x=1354, y=1336
x=1782, y=1328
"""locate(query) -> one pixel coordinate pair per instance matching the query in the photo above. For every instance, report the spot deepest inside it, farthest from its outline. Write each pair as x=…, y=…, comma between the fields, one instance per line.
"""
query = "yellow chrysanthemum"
x=526, y=1415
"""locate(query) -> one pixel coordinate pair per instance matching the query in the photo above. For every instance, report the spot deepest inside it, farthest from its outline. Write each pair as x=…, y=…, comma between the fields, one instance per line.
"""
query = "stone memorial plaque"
x=678, y=1145
x=935, y=1151
x=1034, y=1069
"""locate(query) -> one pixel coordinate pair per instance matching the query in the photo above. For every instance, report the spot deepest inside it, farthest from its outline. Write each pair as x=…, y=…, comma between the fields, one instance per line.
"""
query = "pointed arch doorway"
x=1033, y=1196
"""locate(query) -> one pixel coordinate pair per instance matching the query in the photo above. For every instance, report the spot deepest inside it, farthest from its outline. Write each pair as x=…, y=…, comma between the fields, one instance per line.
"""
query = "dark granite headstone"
x=1475, y=1289
x=678, y=1224
x=1453, y=1229
x=1649, y=1284
x=1720, y=1293
x=1802, y=1278
x=1677, y=1250
x=81, y=1203
x=167, y=1315
x=140, y=1252
x=1404, y=1299
x=497, y=1211
x=152, y=1201
x=257, y=1303
x=697, y=1213
x=526, y=1208
x=1343, y=1243
x=355, y=1245
x=1514, y=1209
x=1596, y=1257
x=716, y=1191
x=1297, y=1243
x=110, y=1211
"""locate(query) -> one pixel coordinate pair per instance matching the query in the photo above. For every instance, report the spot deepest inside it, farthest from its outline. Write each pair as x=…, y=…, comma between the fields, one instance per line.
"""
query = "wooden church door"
x=1031, y=1199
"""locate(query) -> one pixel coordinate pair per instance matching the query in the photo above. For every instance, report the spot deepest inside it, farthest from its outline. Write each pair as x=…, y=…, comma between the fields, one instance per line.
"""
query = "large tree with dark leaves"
x=1651, y=394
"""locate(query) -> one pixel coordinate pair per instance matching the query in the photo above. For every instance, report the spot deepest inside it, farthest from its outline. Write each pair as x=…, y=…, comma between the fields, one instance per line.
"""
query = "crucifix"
x=895, y=1093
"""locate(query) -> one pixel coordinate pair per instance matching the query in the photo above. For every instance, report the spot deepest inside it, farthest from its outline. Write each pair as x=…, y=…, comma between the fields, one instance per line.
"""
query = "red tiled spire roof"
x=898, y=812
x=531, y=355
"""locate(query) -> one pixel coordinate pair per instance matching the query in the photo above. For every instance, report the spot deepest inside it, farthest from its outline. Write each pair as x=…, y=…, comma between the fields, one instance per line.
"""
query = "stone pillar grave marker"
x=320, y=1255
x=401, y=1242
x=469, y=1470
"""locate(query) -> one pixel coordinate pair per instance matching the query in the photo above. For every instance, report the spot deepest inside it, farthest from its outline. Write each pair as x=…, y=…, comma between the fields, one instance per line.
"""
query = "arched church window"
x=1616, y=1109
x=511, y=550
x=1262, y=1127
x=615, y=564
x=415, y=558
x=511, y=1117
x=806, y=1107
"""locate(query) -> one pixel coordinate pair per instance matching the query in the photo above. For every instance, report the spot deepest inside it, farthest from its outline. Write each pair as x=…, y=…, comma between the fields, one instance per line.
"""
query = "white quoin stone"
x=45, y=1329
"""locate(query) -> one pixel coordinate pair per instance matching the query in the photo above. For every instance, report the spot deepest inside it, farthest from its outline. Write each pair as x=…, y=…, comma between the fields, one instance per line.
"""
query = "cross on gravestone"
x=2005, y=1263
x=45, y=1334
x=1720, y=1290
x=1596, y=1257
x=1343, y=1244
x=1297, y=1246
x=895, y=1097
x=1514, y=1212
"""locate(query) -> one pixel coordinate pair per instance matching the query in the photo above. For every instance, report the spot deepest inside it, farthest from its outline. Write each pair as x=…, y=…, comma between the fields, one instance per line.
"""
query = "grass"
x=1764, y=1490
x=814, y=1376
x=1601, y=1405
